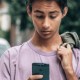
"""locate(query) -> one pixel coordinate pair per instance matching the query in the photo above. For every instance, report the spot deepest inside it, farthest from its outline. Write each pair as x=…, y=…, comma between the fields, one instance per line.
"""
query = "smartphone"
x=41, y=69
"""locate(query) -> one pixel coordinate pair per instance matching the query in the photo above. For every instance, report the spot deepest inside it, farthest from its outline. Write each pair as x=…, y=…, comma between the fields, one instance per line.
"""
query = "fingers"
x=63, y=50
x=35, y=77
x=66, y=45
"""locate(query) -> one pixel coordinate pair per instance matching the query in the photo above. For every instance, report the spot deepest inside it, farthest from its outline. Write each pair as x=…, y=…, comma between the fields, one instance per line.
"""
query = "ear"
x=65, y=12
x=28, y=11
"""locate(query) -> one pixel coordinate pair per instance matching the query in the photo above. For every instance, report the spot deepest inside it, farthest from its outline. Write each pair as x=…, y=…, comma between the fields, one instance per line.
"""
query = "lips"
x=46, y=32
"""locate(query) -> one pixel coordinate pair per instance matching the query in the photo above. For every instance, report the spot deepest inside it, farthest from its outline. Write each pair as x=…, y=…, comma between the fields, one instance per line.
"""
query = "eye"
x=52, y=17
x=40, y=16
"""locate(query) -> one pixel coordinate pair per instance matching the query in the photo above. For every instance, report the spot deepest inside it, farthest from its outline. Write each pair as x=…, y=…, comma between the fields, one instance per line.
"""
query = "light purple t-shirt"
x=16, y=63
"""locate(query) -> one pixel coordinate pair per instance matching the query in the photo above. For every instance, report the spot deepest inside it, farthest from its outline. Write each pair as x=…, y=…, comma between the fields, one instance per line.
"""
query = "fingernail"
x=41, y=76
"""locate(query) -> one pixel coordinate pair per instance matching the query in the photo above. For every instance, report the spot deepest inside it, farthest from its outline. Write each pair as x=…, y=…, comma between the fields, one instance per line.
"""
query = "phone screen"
x=42, y=69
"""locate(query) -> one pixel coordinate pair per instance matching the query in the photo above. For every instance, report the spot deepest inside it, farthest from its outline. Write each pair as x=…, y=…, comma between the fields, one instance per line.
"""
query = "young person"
x=44, y=47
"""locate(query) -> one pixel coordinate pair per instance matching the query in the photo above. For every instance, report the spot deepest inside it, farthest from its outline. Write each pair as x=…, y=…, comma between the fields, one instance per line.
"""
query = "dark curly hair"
x=62, y=3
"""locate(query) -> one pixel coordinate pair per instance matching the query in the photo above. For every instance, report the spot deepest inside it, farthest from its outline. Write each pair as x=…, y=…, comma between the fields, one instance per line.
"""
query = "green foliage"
x=72, y=21
x=18, y=10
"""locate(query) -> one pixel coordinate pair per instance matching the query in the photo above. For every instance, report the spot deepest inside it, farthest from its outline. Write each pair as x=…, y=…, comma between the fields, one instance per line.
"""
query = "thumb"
x=68, y=46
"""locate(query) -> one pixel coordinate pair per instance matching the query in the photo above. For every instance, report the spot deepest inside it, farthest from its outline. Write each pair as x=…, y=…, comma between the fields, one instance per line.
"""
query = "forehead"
x=45, y=5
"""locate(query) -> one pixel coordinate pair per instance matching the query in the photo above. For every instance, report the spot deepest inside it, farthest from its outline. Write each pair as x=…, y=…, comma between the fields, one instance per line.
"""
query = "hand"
x=35, y=77
x=65, y=56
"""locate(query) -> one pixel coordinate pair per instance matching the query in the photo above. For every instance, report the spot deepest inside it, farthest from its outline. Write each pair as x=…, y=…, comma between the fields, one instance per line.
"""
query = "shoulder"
x=76, y=52
x=13, y=52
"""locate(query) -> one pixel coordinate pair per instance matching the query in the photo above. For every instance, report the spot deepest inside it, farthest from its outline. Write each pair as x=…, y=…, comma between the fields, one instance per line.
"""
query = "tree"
x=72, y=21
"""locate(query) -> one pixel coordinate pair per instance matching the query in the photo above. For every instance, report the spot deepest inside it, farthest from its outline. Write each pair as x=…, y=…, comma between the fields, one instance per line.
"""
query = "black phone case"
x=42, y=69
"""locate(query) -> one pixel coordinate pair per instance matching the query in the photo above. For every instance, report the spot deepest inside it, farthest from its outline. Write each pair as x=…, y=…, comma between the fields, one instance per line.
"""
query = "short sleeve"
x=5, y=66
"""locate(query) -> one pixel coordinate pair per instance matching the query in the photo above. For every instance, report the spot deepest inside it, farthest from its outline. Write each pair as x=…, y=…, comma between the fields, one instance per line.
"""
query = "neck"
x=49, y=44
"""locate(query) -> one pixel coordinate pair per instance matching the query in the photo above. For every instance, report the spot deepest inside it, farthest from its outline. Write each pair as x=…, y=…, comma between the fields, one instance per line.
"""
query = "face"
x=46, y=17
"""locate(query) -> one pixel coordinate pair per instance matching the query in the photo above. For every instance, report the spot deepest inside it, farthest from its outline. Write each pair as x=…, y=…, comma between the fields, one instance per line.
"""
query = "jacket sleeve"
x=5, y=66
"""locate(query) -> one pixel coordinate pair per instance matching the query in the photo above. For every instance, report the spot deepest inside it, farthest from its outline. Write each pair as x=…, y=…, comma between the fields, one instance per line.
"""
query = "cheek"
x=36, y=24
x=58, y=19
x=57, y=22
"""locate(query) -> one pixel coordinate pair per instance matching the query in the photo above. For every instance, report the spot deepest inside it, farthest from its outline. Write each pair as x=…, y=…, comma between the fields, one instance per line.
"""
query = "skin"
x=46, y=17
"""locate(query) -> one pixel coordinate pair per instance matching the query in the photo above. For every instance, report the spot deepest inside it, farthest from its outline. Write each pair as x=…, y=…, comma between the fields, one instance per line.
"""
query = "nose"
x=46, y=23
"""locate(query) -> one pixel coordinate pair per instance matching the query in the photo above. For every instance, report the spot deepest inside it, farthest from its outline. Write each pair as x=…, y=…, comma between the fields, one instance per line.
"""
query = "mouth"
x=46, y=32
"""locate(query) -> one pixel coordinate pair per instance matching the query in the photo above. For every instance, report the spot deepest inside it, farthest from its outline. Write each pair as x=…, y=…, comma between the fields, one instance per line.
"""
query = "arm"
x=70, y=74
x=4, y=67
x=65, y=56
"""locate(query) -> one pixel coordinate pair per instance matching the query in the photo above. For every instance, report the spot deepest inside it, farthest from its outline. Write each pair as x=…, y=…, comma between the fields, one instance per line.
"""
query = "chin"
x=46, y=37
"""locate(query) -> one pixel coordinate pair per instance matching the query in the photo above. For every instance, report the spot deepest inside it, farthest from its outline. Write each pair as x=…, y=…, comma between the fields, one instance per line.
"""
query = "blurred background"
x=16, y=27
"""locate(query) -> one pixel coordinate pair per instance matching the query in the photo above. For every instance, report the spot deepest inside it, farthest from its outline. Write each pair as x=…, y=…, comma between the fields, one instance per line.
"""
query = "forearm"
x=70, y=74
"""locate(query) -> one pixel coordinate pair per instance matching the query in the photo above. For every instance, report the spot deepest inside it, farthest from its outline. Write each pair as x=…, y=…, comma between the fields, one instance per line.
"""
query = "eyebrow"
x=51, y=12
x=38, y=11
